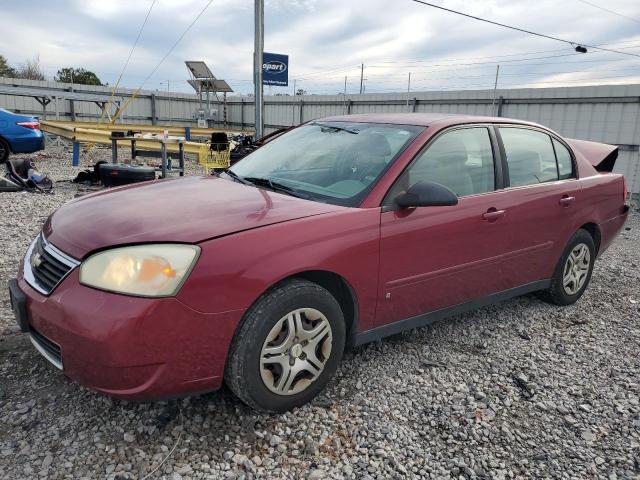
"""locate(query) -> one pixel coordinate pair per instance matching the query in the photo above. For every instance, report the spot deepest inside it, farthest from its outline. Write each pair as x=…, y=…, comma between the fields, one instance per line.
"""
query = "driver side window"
x=461, y=160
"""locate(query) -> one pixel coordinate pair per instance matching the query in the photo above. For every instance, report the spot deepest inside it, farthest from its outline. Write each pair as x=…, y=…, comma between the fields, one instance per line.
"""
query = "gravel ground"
x=518, y=390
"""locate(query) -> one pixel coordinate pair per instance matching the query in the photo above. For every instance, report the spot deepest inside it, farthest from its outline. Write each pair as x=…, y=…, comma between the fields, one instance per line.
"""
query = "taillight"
x=31, y=125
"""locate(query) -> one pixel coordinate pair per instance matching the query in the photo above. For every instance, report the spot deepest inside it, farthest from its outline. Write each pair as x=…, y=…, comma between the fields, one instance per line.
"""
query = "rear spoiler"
x=601, y=155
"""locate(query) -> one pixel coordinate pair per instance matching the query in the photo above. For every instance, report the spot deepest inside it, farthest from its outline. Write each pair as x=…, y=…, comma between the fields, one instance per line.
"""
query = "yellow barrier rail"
x=103, y=136
x=171, y=129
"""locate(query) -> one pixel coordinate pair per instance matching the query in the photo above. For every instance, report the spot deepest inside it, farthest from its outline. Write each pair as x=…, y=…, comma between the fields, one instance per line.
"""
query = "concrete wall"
x=602, y=113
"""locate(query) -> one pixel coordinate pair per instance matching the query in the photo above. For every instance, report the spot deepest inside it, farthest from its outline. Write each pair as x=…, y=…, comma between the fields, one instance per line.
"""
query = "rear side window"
x=461, y=159
x=565, y=165
x=530, y=156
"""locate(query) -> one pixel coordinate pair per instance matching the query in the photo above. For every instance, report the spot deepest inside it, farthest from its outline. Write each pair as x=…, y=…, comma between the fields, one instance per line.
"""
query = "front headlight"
x=146, y=270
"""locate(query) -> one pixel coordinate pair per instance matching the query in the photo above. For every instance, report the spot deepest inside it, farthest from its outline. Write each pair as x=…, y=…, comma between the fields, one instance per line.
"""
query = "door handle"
x=492, y=215
x=566, y=200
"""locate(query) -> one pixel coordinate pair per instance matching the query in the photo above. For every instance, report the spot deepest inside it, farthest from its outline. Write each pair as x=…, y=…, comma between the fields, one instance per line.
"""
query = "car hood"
x=186, y=210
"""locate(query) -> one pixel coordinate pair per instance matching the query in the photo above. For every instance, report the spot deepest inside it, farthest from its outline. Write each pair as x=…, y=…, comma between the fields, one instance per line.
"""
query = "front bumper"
x=129, y=347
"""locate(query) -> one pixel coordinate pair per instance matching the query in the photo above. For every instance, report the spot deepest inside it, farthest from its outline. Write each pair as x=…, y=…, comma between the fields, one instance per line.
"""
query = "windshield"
x=332, y=162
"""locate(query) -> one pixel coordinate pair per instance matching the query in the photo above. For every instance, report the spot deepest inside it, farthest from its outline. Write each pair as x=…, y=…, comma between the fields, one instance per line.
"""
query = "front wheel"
x=287, y=348
x=573, y=271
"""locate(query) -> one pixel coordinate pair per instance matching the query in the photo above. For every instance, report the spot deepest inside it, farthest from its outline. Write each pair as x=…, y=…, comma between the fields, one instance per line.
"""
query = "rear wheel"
x=288, y=347
x=573, y=271
x=4, y=150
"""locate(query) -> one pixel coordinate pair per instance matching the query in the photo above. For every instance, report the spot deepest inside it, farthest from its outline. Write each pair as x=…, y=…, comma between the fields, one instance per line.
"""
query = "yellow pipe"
x=171, y=129
x=93, y=135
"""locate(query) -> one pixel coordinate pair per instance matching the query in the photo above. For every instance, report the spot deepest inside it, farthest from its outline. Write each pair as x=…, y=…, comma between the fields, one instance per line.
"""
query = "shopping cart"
x=219, y=155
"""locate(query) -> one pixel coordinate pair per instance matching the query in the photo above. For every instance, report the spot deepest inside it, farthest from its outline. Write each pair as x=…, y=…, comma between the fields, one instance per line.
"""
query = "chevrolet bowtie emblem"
x=36, y=260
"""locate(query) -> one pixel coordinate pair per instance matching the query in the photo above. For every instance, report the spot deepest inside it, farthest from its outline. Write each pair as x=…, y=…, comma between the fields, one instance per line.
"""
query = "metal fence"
x=66, y=101
x=602, y=113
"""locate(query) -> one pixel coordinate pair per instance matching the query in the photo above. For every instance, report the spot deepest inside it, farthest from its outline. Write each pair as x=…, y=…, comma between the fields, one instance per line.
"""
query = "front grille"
x=50, y=350
x=46, y=266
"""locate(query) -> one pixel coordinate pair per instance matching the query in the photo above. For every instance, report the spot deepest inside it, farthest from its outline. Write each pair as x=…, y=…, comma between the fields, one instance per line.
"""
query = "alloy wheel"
x=576, y=269
x=295, y=351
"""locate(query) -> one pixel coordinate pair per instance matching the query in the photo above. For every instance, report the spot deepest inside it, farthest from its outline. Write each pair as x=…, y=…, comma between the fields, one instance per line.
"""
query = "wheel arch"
x=341, y=290
x=336, y=285
x=593, y=230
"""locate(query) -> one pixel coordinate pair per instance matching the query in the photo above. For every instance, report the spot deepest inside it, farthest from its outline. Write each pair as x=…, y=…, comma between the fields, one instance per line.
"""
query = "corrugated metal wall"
x=602, y=113
x=174, y=108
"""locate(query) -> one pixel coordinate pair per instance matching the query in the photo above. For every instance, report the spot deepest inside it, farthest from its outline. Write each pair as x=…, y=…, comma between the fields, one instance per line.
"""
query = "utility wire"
x=610, y=11
x=429, y=68
x=410, y=63
x=155, y=69
x=135, y=44
x=518, y=29
x=394, y=62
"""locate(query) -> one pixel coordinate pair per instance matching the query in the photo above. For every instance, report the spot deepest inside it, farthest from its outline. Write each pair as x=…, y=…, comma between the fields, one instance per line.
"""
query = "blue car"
x=19, y=134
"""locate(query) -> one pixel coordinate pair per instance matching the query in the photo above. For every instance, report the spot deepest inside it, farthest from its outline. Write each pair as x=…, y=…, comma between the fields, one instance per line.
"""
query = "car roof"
x=423, y=119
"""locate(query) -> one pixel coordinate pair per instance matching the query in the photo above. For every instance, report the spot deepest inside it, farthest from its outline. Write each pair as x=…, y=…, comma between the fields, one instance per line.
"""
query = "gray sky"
x=327, y=40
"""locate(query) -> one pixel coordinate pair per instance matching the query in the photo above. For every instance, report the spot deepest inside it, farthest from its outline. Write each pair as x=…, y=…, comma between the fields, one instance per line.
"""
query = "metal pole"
x=163, y=155
x=169, y=99
x=57, y=118
x=408, y=90
x=224, y=96
x=257, y=66
x=495, y=87
x=154, y=112
x=293, y=104
x=361, y=77
x=344, y=96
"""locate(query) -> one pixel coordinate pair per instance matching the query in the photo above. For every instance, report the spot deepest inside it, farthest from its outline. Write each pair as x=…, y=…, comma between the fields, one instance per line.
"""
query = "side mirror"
x=427, y=194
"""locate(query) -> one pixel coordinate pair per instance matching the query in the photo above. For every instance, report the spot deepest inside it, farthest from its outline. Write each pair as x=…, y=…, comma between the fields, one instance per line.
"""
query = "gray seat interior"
x=362, y=164
x=444, y=163
x=524, y=168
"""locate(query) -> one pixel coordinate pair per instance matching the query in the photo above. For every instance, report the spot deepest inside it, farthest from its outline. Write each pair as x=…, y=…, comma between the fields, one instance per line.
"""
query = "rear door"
x=435, y=257
x=542, y=201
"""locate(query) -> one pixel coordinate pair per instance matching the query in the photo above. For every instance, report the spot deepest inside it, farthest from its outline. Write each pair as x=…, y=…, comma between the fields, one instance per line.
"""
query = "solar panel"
x=210, y=85
x=199, y=69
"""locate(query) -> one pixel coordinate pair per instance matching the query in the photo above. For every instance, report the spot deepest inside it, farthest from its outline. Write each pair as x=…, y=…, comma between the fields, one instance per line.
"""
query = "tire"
x=567, y=288
x=261, y=379
x=4, y=150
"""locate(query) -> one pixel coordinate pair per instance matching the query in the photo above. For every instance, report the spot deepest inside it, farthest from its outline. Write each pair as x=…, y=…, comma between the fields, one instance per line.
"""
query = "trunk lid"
x=601, y=156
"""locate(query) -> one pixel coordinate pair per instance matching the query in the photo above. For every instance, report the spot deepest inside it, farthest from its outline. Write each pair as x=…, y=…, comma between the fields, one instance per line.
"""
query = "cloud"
x=328, y=40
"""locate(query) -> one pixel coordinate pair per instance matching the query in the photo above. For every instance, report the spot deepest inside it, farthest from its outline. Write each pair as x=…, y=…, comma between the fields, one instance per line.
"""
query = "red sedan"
x=341, y=231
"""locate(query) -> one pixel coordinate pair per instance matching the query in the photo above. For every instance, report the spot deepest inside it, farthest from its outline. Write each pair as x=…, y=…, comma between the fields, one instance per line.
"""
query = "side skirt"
x=431, y=317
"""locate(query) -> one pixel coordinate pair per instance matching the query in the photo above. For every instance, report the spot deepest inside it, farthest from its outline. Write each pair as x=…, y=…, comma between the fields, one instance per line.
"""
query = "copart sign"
x=275, y=69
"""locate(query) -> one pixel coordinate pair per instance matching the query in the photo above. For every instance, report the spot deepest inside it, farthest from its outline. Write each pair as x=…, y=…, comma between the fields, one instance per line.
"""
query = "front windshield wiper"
x=334, y=127
x=237, y=177
x=275, y=186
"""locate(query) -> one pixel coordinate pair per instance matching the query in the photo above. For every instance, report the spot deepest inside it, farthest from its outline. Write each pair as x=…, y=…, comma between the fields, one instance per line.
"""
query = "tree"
x=6, y=70
x=300, y=91
x=31, y=70
x=77, y=75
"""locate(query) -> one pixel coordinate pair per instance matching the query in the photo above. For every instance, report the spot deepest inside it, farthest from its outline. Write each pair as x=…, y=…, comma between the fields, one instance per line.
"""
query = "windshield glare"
x=333, y=162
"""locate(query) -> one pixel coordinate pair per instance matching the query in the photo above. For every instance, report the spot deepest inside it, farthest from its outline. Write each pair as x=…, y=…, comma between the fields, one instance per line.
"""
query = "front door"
x=436, y=257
